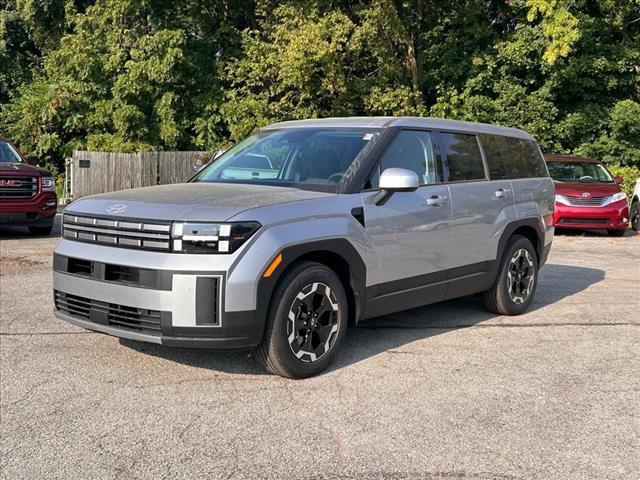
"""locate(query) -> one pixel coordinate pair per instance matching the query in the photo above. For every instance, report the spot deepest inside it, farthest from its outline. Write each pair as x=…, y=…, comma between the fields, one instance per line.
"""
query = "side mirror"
x=33, y=161
x=196, y=167
x=395, y=180
x=618, y=179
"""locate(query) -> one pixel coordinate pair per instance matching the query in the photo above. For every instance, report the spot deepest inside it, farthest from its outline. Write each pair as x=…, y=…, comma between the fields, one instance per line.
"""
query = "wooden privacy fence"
x=99, y=172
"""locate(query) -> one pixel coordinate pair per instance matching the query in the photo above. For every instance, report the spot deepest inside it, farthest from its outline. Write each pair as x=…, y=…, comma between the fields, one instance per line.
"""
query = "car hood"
x=20, y=169
x=188, y=201
x=595, y=189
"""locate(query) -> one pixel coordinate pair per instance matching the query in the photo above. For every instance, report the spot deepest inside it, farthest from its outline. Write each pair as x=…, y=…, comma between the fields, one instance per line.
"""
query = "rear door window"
x=464, y=159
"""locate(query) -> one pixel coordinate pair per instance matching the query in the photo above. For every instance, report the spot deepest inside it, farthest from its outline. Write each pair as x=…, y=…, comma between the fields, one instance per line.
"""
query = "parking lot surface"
x=447, y=391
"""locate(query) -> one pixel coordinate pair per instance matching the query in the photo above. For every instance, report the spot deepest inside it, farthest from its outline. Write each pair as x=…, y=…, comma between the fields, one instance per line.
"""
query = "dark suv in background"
x=27, y=192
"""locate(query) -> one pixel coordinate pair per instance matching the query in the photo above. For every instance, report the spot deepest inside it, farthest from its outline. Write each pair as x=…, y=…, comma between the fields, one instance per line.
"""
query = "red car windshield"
x=8, y=154
x=579, y=172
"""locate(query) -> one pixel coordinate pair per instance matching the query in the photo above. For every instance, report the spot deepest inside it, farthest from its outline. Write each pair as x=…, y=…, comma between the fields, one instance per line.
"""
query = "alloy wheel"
x=521, y=276
x=313, y=322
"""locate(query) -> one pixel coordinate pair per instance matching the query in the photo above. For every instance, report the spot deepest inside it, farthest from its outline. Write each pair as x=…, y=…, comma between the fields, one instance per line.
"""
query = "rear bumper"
x=34, y=211
x=614, y=216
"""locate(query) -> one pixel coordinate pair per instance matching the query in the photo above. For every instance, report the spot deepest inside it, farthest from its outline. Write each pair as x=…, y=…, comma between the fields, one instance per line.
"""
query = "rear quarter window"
x=512, y=158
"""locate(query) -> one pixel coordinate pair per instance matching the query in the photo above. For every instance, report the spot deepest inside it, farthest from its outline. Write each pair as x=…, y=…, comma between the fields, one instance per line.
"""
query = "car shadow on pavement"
x=391, y=332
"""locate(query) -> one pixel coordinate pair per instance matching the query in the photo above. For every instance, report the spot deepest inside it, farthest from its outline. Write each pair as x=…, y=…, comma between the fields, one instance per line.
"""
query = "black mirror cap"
x=33, y=161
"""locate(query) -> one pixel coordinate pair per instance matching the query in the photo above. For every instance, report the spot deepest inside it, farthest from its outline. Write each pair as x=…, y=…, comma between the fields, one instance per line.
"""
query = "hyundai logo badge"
x=117, y=208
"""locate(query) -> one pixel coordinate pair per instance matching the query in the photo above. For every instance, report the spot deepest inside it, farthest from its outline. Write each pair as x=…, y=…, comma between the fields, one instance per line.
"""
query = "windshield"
x=311, y=158
x=8, y=154
x=579, y=172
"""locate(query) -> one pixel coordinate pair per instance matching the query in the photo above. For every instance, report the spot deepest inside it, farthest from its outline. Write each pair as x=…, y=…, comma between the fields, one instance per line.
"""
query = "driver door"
x=409, y=235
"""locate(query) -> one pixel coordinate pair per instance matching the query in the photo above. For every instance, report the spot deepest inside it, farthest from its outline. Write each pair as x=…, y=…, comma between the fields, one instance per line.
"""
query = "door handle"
x=436, y=200
x=502, y=192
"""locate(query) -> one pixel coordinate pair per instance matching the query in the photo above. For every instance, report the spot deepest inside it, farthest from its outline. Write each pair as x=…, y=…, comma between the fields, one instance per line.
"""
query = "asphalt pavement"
x=447, y=391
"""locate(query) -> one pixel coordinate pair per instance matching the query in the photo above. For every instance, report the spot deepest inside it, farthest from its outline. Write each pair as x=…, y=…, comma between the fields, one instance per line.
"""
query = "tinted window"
x=413, y=150
x=510, y=157
x=313, y=158
x=463, y=157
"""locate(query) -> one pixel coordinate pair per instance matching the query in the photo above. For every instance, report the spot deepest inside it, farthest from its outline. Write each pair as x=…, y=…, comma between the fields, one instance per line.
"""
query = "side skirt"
x=399, y=295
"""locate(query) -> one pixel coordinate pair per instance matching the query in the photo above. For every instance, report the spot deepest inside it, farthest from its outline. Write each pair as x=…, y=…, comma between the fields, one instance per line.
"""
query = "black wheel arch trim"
x=337, y=246
x=510, y=229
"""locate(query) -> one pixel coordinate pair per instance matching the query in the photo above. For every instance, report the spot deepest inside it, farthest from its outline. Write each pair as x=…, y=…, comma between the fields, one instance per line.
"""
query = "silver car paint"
x=191, y=201
x=406, y=237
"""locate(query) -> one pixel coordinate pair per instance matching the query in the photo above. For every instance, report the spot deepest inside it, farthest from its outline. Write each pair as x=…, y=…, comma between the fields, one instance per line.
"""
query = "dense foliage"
x=128, y=75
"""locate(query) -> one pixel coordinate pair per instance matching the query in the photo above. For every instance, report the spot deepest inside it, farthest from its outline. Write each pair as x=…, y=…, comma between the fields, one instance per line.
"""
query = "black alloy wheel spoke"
x=312, y=318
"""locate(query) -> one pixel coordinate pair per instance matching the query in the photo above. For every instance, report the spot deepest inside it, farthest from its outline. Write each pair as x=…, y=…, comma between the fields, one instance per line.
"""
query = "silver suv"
x=305, y=227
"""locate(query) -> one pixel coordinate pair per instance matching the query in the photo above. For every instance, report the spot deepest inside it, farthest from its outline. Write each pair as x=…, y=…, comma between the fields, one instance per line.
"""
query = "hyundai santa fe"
x=305, y=227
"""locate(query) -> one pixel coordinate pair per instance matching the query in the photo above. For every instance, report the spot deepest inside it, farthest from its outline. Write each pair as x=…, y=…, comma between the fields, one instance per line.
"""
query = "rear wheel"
x=306, y=322
x=619, y=232
x=634, y=212
x=517, y=278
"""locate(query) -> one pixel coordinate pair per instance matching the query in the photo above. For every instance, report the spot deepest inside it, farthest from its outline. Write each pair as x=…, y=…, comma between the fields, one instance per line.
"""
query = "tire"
x=619, y=232
x=286, y=347
x=634, y=213
x=41, y=230
x=506, y=297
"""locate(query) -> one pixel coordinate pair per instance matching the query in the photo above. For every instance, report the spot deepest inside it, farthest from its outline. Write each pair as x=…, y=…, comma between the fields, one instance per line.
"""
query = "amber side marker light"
x=272, y=267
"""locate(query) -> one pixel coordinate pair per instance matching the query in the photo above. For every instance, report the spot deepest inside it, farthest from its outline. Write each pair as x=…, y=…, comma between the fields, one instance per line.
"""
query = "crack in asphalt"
x=395, y=327
x=26, y=334
x=506, y=325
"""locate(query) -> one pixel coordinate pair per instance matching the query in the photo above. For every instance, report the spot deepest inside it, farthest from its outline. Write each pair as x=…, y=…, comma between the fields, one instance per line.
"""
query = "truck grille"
x=586, y=201
x=131, y=318
x=142, y=234
x=18, y=187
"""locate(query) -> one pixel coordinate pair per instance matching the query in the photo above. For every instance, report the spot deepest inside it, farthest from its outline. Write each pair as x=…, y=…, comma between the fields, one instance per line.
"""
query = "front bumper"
x=613, y=216
x=173, y=300
x=38, y=210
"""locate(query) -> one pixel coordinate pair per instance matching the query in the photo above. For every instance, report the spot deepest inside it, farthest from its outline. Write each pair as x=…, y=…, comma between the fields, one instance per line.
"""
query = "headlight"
x=211, y=237
x=48, y=184
x=616, y=197
x=562, y=199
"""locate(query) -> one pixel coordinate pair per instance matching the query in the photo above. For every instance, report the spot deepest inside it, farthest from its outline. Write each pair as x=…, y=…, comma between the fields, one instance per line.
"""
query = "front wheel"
x=306, y=322
x=517, y=278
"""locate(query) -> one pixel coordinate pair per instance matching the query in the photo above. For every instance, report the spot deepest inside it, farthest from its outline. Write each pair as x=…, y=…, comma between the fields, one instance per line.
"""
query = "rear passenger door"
x=480, y=207
x=409, y=234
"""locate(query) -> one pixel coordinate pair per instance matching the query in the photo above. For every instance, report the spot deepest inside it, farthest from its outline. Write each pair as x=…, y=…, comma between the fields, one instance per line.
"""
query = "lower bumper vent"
x=122, y=316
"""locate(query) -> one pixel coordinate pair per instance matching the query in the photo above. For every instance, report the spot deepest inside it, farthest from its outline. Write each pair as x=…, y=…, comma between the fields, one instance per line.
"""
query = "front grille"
x=18, y=187
x=584, y=221
x=586, y=201
x=142, y=234
x=122, y=316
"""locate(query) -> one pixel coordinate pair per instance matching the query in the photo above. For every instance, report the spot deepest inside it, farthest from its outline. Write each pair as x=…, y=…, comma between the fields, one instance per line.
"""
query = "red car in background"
x=587, y=195
x=27, y=192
